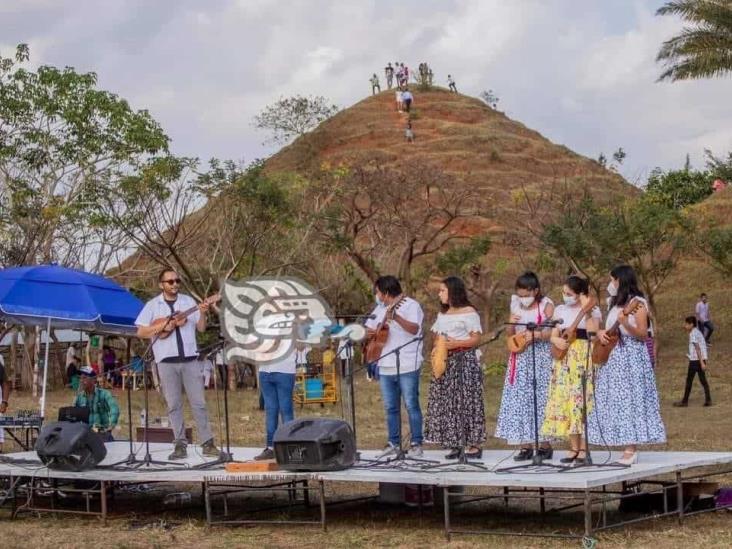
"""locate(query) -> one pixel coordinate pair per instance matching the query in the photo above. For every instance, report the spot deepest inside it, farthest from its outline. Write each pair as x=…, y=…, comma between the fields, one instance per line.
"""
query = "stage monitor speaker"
x=315, y=445
x=70, y=446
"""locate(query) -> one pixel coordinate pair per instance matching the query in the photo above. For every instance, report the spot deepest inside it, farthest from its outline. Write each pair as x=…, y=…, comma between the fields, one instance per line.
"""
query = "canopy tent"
x=49, y=295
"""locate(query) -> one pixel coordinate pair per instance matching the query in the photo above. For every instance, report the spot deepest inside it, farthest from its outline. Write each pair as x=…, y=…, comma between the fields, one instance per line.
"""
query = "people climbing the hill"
x=451, y=83
x=399, y=100
x=407, y=99
x=698, y=356
x=703, y=318
x=375, y=87
x=408, y=133
x=389, y=73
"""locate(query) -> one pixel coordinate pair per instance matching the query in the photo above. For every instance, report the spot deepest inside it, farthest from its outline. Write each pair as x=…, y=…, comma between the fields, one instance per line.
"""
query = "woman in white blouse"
x=455, y=406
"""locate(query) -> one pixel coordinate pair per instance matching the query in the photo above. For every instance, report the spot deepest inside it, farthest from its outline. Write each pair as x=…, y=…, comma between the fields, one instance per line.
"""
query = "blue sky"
x=580, y=72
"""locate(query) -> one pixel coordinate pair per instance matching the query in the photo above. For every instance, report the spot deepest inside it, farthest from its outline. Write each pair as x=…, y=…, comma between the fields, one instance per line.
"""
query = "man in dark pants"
x=703, y=318
x=697, y=362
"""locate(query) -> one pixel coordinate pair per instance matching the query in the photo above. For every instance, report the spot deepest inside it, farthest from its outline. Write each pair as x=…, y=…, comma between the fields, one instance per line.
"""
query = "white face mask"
x=570, y=299
x=526, y=301
x=612, y=290
x=378, y=301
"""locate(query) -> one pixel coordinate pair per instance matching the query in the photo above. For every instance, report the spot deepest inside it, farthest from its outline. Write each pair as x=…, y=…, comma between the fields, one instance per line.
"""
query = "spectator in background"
x=407, y=99
x=718, y=185
x=430, y=76
x=375, y=84
x=697, y=363
x=72, y=374
x=451, y=83
x=103, y=408
x=109, y=362
x=72, y=355
x=703, y=318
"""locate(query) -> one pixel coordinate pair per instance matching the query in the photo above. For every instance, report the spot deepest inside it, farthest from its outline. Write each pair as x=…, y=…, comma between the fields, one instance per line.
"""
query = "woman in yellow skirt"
x=563, y=414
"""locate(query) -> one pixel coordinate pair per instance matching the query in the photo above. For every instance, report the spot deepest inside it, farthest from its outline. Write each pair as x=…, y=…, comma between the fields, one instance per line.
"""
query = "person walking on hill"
x=704, y=320
x=697, y=362
x=408, y=133
x=399, y=100
x=375, y=84
x=389, y=72
x=407, y=99
x=451, y=83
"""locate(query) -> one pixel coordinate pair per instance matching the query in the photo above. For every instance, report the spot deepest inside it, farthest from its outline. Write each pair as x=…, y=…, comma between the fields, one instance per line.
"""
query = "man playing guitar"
x=397, y=320
x=177, y=357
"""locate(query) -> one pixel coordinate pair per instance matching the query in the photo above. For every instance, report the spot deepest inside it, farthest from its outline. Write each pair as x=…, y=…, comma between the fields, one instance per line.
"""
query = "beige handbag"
x=439, y=356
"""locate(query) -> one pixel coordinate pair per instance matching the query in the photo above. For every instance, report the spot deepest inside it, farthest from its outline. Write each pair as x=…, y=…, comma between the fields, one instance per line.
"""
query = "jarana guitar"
x=375, y=344
x=570, y=333
x=179, y=318
x=601, y=351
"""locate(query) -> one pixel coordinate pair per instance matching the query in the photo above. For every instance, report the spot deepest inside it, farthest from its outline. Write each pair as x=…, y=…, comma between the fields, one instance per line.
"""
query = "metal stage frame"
x=592, y=491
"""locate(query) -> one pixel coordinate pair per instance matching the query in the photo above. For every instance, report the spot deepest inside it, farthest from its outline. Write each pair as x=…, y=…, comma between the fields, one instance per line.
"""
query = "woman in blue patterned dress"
x=626, y=411
x=516, y=415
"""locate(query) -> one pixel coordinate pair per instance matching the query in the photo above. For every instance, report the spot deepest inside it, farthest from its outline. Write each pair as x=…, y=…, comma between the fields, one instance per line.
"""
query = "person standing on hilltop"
x=451, y=83
x=430, y=76
x=389, y=72
x=407, y=99
x=375, y=84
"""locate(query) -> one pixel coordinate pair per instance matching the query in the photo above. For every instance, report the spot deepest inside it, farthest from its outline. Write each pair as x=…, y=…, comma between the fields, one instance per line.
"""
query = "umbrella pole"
x=45, y=368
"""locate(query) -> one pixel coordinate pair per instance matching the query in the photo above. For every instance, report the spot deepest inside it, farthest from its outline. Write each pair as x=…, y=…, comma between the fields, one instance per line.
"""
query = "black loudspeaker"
x=315, y=445
x=70, y=446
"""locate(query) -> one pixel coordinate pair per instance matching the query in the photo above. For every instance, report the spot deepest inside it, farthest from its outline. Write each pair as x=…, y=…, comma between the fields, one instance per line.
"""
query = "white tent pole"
x=45, y=368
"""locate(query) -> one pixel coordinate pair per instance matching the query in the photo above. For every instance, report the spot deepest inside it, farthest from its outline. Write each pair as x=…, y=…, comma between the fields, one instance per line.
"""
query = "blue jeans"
x=391, y=393
x=276, y=388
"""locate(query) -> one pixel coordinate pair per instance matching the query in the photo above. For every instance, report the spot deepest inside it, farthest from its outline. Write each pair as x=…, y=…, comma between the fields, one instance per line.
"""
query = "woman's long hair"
x=529, y=281
x=457, y=295
x=627, y=285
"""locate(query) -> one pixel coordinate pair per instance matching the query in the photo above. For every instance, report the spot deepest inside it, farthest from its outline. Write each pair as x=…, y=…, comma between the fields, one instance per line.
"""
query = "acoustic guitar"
x=569, y=334
x=601, y=351
x=375, y=344
x=438, y=357
x=179, y=318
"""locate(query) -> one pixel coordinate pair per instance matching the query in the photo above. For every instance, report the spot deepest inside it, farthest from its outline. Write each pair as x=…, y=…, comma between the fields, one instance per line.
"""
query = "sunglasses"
x=172, y=281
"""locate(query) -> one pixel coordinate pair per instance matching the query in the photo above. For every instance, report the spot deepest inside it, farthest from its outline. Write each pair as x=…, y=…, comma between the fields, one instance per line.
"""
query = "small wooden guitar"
x=438, y=356
x=179, y=318
x=601, y=351
x=376, y=343
x=569, y=334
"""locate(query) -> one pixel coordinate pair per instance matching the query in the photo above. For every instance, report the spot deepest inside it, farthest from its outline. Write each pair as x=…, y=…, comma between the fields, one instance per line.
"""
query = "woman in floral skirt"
x=563, y=417
x=626, y=411
x=516, y=415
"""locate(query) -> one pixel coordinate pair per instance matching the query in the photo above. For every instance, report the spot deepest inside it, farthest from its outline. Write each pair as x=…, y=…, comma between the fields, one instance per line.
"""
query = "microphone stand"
x=225, y=456
x=537, y=460
x=131, y=458
x=462, y=456
x=147, y=360
x=401, y=454
x=588, y=456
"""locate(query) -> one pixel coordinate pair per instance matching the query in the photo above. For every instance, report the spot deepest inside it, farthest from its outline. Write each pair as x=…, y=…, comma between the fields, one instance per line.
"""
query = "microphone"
x=552, y=323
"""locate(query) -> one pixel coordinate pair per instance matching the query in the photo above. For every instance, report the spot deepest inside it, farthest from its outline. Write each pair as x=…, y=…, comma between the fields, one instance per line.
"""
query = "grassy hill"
x=462, y=136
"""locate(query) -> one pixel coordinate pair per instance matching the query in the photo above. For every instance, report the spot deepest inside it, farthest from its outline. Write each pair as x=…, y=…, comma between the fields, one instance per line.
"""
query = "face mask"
x=378, y=301
x=526, y=301
x=612, y=290
x=570, y=299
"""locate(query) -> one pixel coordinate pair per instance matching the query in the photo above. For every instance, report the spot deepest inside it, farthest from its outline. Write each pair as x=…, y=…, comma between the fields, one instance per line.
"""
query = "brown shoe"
x=209, y=449
x=179, y=452
x=267, y=453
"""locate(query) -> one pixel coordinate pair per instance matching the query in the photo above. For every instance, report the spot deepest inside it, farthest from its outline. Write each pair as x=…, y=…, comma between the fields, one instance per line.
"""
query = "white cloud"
x=583, y=74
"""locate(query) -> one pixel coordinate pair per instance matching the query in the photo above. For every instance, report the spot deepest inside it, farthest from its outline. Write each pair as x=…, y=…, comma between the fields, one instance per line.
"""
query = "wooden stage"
x=677, y=477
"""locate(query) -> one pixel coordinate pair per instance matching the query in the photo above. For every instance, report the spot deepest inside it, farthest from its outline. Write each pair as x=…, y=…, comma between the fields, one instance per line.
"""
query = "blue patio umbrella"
x=46, y=295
